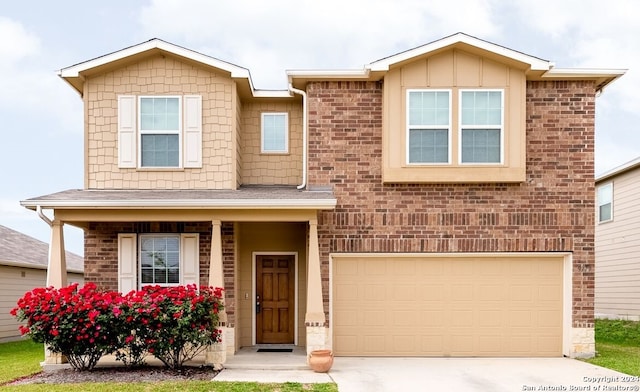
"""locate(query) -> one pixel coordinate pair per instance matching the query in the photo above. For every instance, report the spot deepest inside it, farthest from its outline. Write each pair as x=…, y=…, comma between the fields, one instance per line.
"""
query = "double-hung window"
x=605, y=202
x=160, y=130
x=275, y=133
x=429, y=126
x=481, y=126
x=159, y=260
x=164, y=259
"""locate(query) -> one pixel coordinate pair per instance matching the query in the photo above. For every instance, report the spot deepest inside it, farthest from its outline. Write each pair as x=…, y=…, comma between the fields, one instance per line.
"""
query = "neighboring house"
x=618, y=242
x=438, y=202
x=23, y=267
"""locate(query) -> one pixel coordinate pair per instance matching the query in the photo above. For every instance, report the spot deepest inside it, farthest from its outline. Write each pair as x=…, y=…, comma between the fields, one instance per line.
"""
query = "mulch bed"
x=119, y=374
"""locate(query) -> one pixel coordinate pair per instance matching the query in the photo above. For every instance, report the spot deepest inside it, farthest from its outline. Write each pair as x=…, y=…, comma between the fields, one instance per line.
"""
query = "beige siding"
x=271, y=169
x=618, y=252
x=14, y=283
x=160, y=75
x=239, y=141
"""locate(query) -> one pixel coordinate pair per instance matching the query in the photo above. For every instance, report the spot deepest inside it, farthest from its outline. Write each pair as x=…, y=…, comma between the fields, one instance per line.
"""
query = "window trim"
x=141, y=237
x=178, y=132
x=408, y=126
x=598, y=205
x=286, y=132
x=462, y=127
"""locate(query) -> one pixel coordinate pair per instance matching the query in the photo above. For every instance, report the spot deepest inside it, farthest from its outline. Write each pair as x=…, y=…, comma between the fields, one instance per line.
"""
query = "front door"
x=275, y=303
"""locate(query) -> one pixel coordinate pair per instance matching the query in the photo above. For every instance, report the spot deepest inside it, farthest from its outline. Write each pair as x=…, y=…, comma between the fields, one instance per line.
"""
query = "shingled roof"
x=22, y=250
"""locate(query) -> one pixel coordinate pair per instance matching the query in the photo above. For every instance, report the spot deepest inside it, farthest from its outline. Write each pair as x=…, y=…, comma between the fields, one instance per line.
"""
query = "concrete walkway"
x=355, y=374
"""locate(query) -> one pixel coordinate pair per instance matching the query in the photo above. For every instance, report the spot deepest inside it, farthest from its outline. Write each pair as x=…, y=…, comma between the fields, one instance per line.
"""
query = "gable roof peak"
x=535, y=63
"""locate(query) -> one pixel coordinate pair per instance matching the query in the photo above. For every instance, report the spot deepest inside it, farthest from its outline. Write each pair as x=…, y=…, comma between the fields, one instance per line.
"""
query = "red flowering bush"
x=180, y=321
x=174, y=324
x=75, y=323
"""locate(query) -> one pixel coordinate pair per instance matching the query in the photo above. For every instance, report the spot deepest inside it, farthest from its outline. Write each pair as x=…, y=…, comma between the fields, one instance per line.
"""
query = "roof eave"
x=74, y=74
x=616, y=171
x=602, y=77
x=36, y=266
x=316, y=204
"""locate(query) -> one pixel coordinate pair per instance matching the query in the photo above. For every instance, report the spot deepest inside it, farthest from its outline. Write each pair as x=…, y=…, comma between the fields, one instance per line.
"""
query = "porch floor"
x=250, y=358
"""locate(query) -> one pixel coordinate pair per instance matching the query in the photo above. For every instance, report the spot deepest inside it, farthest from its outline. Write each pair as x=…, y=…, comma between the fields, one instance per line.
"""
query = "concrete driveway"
x=357, y=374
x=475, y=374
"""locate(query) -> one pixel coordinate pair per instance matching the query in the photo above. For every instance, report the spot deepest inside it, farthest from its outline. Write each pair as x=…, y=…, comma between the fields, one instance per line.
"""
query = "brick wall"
x=552, y=211
x=101, y=252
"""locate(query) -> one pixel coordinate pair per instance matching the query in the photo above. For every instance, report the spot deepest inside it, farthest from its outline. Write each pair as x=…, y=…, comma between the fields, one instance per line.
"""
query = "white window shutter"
x=192, y=131
x=127, y=131
x=190, y=258
x=127, y=268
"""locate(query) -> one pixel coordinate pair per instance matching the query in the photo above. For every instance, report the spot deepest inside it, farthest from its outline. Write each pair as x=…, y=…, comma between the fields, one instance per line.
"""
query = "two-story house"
x=438, y=202
x=617, y=239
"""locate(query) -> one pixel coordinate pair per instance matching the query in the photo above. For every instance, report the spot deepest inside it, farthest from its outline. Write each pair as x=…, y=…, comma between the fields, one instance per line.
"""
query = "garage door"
x=447, y=306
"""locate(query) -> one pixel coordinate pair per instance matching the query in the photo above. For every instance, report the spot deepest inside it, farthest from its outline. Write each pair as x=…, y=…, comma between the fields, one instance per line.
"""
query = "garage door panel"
x=492, y=318
x=461, y=292
x=431, y=292
x=445, y=306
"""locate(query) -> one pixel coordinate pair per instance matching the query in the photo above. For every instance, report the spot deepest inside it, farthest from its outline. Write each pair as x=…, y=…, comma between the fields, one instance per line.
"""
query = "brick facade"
x=101, y=252
x=552, y=211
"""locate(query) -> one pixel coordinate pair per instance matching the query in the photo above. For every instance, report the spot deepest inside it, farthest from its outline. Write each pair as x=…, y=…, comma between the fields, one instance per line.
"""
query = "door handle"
x=257, y=304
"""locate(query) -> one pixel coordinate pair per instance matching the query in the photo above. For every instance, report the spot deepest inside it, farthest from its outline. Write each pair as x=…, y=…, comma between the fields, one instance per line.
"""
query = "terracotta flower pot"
x=320, y=361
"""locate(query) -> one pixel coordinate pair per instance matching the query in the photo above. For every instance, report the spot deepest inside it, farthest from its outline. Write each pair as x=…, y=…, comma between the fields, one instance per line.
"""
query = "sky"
x=41, y=150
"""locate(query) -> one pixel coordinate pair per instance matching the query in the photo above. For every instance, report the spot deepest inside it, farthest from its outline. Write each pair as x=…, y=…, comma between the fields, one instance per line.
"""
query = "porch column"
x=217, y=353
x=314, y=318
x=56, y=276
x=57, y=263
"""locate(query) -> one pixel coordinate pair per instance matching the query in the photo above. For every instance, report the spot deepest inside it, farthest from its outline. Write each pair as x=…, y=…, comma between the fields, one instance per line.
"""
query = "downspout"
x=43, y=216
x=304, y=134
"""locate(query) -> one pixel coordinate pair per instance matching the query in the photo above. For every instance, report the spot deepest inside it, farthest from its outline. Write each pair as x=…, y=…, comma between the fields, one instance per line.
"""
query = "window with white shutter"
x=160, y=131
x=157, y=259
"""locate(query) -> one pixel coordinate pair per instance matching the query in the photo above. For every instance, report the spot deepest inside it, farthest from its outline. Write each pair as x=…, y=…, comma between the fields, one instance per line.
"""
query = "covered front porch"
x=260, y=245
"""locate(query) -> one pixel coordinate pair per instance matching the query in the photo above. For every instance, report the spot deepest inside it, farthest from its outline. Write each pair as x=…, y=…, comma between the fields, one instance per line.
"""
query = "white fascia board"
x=272, y=94
x=535, y=63
x=583, y=72
x=74, y=70
x=618, y=170
x=185, y=204
x=328, y=74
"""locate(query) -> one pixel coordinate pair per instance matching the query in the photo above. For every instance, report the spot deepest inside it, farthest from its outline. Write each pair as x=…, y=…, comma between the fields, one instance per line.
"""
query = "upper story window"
x=481, y=123
x=160, y=129
x=159, y=260
x=479, y=139
x=605, y=202
x=429, y=126
x=160, y=132
x=275, y=133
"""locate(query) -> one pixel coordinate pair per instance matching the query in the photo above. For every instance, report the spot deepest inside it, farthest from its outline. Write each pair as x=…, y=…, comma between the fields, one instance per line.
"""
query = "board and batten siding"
x=14, y=283
x=618, y=252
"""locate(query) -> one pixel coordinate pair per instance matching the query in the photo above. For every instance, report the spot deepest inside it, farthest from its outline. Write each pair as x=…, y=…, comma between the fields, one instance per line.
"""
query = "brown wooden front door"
x=275, y=303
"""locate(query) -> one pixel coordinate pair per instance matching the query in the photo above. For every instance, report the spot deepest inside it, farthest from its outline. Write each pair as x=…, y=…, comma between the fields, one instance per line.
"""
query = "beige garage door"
x=447, y=306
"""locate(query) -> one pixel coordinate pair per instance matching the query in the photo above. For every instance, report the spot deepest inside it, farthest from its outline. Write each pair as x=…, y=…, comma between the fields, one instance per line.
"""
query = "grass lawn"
x=19, y=359
x=618, y=346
